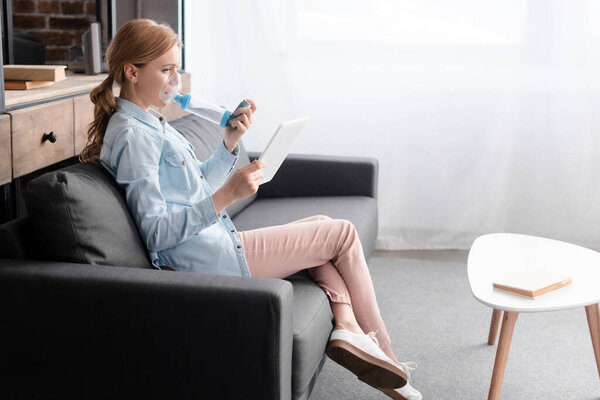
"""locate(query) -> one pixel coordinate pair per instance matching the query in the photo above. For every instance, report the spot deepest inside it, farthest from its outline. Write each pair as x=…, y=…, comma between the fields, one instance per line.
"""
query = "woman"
x=178, y=204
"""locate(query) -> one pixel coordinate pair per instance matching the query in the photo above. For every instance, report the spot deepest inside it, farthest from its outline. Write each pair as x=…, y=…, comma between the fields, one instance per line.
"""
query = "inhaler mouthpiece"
x=171, y=89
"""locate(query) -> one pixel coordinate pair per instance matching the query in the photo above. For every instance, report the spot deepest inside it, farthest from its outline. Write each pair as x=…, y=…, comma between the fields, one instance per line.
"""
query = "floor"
x=425, y=255
x=433, y=319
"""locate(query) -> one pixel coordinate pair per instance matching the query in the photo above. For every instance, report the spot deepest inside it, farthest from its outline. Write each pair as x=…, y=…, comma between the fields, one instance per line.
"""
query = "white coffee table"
x=493, y=255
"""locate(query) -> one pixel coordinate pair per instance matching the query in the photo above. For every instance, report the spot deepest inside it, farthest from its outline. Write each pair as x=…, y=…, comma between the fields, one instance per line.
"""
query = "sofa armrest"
x=322, y=175
x=92, y=331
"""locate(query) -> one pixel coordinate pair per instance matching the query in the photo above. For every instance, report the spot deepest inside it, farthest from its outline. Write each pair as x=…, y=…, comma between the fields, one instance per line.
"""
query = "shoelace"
x=372, y=336
x=406, y=366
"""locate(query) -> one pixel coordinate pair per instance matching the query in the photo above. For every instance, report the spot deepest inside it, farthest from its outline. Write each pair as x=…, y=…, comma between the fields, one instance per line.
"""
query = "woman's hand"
x=239, y=125
x=245, y=181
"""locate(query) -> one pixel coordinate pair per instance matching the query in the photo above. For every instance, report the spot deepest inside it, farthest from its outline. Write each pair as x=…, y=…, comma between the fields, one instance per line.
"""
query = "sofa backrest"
x=18, y=240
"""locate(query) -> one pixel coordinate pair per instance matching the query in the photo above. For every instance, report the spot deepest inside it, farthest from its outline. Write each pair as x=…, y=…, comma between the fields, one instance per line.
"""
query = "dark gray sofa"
x=75, y=323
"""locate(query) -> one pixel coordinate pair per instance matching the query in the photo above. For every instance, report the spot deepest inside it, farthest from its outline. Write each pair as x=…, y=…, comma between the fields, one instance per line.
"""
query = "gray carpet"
x=433, y=320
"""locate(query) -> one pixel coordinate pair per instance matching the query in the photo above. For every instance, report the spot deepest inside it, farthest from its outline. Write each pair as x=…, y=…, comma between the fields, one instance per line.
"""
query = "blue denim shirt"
x=169, y=192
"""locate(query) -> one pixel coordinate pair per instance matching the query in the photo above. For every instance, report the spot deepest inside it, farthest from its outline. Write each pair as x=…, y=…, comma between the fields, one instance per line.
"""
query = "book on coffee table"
x=532, y=284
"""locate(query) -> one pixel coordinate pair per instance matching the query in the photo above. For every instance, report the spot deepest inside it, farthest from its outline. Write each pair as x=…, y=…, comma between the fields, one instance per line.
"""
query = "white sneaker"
x=361, y=355
x=406, y=392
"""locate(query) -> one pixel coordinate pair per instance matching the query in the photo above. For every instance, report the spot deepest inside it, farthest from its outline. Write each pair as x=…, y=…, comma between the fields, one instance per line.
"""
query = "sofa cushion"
x=205, y=137
x=360, y=210
x=79, y=215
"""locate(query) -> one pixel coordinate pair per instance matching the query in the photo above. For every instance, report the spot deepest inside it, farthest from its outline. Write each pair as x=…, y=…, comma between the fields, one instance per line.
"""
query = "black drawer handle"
x=49, y=136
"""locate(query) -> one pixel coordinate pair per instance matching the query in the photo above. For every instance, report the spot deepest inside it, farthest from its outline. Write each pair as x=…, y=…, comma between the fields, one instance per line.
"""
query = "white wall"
x=483, y=115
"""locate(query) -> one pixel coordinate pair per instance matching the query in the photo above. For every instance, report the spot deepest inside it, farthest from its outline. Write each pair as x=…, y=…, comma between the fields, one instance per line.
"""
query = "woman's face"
x=153, y=76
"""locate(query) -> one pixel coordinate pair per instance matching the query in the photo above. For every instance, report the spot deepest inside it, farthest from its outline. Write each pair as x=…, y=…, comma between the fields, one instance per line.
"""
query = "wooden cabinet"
x=41, y=135
x=5, y=150
x=83, y=115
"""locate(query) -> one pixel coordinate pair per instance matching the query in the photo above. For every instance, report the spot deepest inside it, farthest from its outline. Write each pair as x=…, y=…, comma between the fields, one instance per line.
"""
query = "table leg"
x=496, y=318
x=593, y=316
x=508, y=326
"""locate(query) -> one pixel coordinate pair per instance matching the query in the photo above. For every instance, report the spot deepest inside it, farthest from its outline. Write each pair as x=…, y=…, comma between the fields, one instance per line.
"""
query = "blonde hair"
x=137, y=42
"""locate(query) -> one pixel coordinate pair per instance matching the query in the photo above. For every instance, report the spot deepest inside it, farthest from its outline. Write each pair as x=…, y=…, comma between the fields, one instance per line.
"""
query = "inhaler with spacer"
x=211, y=112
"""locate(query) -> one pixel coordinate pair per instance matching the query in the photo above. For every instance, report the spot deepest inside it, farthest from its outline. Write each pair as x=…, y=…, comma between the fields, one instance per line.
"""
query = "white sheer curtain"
x=483, y=115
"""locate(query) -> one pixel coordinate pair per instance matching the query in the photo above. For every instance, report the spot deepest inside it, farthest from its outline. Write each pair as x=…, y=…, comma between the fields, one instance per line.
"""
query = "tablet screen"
x=280, y=145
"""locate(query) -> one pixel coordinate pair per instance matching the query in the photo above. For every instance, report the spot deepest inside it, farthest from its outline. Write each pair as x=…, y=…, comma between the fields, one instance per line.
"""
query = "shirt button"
x=224, y=216
x=183, y=162
x=201, y=177
x=233, y=230
x=239, y=246
x=160, y=118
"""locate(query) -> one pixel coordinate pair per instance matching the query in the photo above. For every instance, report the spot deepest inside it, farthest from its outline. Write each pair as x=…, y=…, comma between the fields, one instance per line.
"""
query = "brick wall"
x=58, y=24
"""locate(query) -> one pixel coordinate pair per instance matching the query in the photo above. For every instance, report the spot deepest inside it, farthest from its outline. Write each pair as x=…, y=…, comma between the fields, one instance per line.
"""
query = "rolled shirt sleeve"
x=219, y=165
x=136, y=157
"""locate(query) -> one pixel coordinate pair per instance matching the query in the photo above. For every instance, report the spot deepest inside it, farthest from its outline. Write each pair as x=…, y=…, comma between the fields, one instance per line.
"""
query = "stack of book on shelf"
x=23, y=77
x=532, y=284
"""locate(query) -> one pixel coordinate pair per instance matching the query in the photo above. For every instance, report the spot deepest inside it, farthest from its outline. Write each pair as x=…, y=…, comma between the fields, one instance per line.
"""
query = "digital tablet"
x=279, y=146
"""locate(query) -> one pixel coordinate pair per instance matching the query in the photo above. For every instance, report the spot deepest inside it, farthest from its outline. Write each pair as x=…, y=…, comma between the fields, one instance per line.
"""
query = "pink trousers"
x=332, y=252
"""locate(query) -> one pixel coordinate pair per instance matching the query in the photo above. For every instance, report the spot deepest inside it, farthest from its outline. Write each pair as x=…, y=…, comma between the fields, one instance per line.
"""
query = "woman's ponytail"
x=104, y=106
